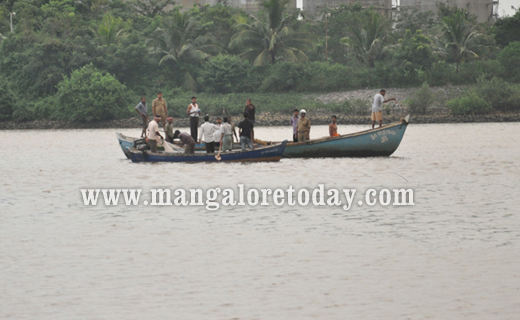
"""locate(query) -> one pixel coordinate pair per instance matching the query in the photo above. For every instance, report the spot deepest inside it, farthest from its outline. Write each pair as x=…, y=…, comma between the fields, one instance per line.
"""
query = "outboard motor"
x=141, y=145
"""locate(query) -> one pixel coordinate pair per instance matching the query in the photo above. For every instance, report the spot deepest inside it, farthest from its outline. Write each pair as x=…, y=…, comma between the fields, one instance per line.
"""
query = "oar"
x=218, y=155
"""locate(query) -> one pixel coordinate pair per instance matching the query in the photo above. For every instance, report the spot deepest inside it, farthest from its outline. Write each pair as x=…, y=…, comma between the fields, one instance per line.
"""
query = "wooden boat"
x=380, y=142
x=126, y=143
x=263, y=154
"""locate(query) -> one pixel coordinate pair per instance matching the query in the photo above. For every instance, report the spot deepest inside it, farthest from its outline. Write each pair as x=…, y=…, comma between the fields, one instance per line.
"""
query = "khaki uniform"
x=160, y=106
x=304, y=126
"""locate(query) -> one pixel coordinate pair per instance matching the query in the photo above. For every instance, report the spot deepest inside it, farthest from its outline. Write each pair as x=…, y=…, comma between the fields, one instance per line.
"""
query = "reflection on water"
x=455, y=254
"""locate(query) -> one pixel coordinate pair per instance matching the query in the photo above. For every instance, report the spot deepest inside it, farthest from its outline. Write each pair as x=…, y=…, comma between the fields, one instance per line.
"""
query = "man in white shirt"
x=207, y=132
x=377, y=107
x=153, y=133
x=194, y=111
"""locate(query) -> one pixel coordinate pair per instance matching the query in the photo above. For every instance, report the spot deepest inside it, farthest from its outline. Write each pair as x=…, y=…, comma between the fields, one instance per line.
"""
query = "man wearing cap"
x=333, y=127
x=187, y=140
x=304, y=126
x=294, y=122
x=168, y=130
x=142, y=110
x=153, y=133
x=377, y=107
x=194, y=111
x=159, y=108
x=207, y=132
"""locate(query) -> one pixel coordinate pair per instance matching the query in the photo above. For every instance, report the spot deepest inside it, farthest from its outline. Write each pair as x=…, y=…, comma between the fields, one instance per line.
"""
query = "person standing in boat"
x=251, y=110
x=207, y=132
x=294, y=123
x=142, y=111
x=217, y=136
x=233, y=130
x=153, y=133
x=226, y=135
x=159, y=108
x=377, y=107
x=333, y=127
x=247, y=133
x=304, y=127
x=186, y=140
x=194, y=111
x=168, y=130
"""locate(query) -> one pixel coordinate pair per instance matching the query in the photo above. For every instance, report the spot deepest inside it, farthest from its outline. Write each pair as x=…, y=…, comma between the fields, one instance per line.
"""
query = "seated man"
x=187, y=140
x=333, y=127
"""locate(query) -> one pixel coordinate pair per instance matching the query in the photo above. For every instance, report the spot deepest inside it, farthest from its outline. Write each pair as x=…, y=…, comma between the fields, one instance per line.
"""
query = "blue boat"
x=263, y=154
x=380, y=142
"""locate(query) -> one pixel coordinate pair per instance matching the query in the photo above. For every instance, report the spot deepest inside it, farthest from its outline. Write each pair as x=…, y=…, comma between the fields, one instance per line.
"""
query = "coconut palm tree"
x=179, y=40
x=267, y=42
x=110, y=30
x=460, y=36
x=366, y=39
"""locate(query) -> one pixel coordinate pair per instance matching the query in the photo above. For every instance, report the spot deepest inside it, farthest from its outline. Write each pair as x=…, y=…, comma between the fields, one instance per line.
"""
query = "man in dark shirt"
x=251, y=110
x=187, y=140
x=246, y=132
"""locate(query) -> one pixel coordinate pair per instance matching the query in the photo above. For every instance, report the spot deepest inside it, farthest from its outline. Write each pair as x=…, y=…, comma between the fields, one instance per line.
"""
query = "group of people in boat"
x=223, y=134
x=220, y=134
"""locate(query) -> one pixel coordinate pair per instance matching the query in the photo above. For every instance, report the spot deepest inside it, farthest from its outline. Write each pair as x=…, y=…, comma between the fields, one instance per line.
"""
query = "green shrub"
x=510, y=60
x=497, y=92
x=441, y=74
x=226, y=74
x=283, y=77
x=420, y=100
x=7, y=101
x=469, y=103
x=471, y=71
x=90, y=95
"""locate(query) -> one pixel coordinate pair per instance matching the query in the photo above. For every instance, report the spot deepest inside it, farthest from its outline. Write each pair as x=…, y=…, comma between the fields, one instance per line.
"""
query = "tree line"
x=88, y=60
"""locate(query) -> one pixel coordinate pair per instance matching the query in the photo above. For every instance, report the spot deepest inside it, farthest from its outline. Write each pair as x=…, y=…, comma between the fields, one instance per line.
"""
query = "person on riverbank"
x=304, y=126
x=142, y=111
x=194, y=111
x=153, y=133
x=207, y=132
x=226, y=135
x=168, y=130
x=247, y=133
x=333, y=127
x=294, y=123
x=186, y=140
x=377, y=107
x=159, y=108
x=251, y=110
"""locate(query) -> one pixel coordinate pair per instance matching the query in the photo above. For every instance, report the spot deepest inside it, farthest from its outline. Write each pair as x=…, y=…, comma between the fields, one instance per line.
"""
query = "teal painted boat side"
x=371, y=143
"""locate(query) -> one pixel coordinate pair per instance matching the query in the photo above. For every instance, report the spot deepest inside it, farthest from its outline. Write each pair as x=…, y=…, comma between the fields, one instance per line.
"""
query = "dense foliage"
x=88, y=60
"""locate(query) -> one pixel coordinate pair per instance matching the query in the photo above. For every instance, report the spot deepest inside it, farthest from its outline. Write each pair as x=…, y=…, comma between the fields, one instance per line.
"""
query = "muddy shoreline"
x=267, y=119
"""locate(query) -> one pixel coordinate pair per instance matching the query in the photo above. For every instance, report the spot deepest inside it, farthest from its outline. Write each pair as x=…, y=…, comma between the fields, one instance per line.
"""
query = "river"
x=455, y=254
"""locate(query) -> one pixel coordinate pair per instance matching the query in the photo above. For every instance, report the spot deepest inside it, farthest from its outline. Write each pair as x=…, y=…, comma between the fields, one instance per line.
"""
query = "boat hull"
x=381, y=142
x=265, y=154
